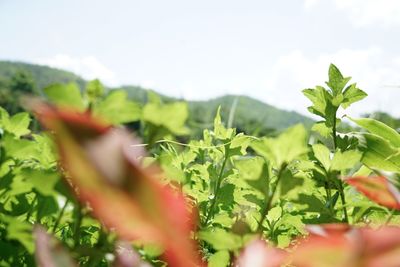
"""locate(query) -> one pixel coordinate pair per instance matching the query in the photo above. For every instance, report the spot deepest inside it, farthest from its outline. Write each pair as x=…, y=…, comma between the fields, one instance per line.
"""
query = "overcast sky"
x=269, y=50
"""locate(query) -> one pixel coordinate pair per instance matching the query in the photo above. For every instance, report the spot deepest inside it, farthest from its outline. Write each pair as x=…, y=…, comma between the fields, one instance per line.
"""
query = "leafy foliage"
x=227, y=198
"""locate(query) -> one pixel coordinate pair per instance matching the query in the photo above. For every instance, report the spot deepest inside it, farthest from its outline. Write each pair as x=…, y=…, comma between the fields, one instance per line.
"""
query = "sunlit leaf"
x=221, y=239
x=336, y=80
x=379, y=153
x=68, y=95
x=285, y=148
x=219, y=259
x=117, y=109
x=345, y=160
x=380, y=129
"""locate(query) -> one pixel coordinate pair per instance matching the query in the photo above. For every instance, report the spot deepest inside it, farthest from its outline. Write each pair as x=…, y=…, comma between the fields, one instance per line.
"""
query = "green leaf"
x=283, y=241
x=274, y=214
x=319, y=98
x=18, y=124
x=255, y=172
x=220, y=239
x=116, y=109
x=380, y=154
x=322, y=154
x=94, y=89
x=172, y=116
x=42, y=181
x=351, y=95
x=380, y=129
x=285, y=148
x=336, y=80
x=20, y=149
x=220, y=132
x=20, y=231
x=345, y=160
x=322, y=129
x=219, y=259
x=67, y=95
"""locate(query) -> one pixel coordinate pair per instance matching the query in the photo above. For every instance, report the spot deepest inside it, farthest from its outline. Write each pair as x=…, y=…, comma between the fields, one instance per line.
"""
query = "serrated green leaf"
x=42, y=181
x=322, y=154
x=336, y=80
x=274, y=214
x=220, y=239
x=255, y=172
x=220, y=132
x=117, y=109
x=345, y=160
x=19, y=149
x=20, y=231
x=68, y=95
x=172, y=116
x=319, y=98
x=285, y=148
x=18, y=124
x=351, y=95
x=322, y=129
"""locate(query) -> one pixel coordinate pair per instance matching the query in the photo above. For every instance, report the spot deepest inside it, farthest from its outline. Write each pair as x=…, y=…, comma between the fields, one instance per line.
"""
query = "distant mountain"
x=247, y=114
x=41, y=75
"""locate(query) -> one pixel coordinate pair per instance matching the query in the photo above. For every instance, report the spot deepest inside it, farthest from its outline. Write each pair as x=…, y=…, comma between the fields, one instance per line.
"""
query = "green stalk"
x=334, y=132
x=28, y=216
x=217, y=188
x=343, y=199
x=60, y=216
x=268, y=204
x=78, y=221
x=340, y=187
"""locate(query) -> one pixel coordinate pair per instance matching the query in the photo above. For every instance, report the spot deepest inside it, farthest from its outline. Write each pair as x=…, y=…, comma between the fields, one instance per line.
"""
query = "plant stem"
x=28, y=216
x=217, y=187
x=341, y=191
x=78, y=220
x=328, y=196
x=60, y=216
x=343, y=199
x=334, y=132
x=268, y=204
x=389, y=218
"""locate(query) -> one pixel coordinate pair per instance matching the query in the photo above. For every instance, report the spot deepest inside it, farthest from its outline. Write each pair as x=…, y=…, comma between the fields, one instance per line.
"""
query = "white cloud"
x=366, y=12
x=369, y=69
x=88, y=67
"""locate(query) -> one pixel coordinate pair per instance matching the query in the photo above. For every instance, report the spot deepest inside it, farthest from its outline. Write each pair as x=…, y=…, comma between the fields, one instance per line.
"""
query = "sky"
x=269, y=50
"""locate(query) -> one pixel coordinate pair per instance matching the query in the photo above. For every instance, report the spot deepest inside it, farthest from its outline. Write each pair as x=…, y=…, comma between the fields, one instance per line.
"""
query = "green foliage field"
x=237, y=187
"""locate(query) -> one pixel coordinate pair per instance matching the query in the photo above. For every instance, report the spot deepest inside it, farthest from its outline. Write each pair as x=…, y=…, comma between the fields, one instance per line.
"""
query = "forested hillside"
x=247, y=114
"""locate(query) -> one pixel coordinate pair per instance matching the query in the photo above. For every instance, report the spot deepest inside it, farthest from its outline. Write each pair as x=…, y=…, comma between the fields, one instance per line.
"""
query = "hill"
x=247, y=114
x=41, y=75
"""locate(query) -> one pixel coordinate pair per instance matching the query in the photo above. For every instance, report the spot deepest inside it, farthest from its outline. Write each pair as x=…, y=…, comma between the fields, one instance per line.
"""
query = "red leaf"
x=347, y=248
x=378, y=189
x=326, y=230
x=104, y=169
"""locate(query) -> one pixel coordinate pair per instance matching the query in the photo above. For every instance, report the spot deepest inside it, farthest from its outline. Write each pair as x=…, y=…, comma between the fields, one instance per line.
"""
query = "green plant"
x=329, y=200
